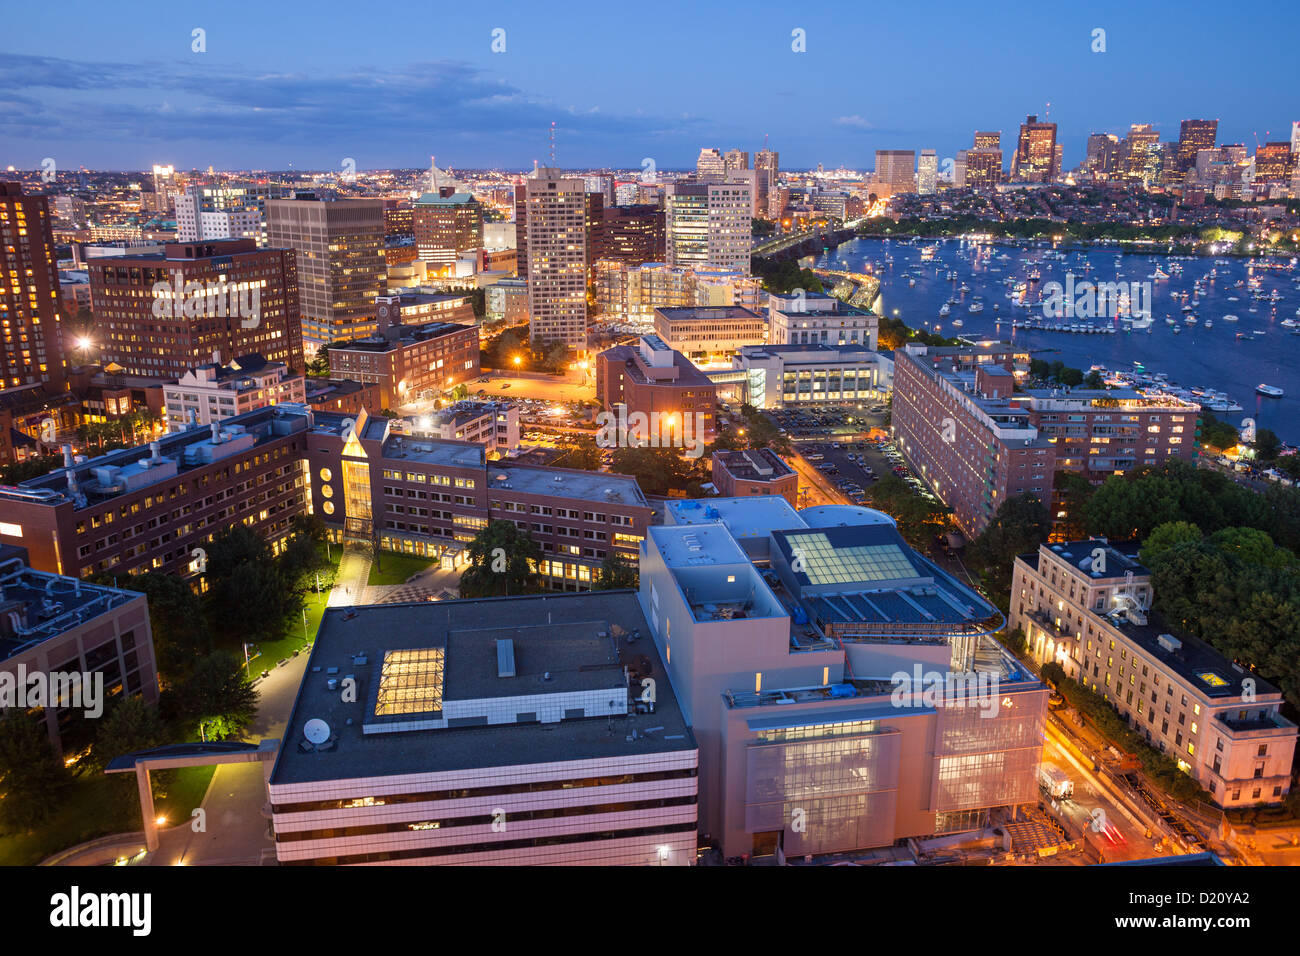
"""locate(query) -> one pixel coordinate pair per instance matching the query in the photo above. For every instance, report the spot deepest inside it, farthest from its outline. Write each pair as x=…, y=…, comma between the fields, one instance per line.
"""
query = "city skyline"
x=249, y=100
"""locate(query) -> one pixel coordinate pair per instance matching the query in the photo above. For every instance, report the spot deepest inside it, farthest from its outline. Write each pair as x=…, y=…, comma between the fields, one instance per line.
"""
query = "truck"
x=1055, y=781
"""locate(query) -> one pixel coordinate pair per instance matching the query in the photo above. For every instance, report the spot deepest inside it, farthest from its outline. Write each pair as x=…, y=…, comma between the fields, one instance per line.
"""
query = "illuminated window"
x=326, y=475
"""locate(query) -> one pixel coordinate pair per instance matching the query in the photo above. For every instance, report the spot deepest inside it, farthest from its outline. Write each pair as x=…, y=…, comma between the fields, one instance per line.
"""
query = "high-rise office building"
x=896, y=170
x=555, y=229
x=735, y=159
x=710, y=165
x=224, y=211
x=161, y=314
x=988, y=140
x=1194, y=135
x=31, y=343
x=927, y=173
x=1274, y=163
x=631, y=234
x=447, y=226
x=960, y=173
x=1141, y=154
x=767, y=170
x=983, y=163
x=340, y=264
x=1034, y=160
x=707, y=225
x=1102, y=155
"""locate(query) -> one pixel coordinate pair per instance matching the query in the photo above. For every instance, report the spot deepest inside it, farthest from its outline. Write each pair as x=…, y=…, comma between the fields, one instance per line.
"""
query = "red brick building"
x=406, y=360
x=31, y=344
x=653, y=379
x=161, y=315
x=755, y=471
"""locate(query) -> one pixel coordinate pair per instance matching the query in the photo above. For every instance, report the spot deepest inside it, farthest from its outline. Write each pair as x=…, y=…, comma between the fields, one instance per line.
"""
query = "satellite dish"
x=316, y=730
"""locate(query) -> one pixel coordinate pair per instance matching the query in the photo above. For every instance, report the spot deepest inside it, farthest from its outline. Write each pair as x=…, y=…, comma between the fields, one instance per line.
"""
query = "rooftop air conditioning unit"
x=1169, y=642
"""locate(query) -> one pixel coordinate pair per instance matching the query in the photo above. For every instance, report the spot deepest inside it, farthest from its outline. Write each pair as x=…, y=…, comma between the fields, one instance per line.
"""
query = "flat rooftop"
x=405, y=335
x=697, y=545
x=1195, y=661
x=754, y=464
x=707, y=313
x=47, y=605
x=744, y=517
x=555, y=634
x=594, y=486
x=179, y=452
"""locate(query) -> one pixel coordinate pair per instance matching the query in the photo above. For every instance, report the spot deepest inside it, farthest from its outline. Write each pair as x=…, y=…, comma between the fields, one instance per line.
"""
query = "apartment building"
x=511, y=731
x=631, y=294
x=447, y=227
x=787, y=637
x=430, y=497
x=31, y=340
x=1086, y=606
x=967, y=432
x=708, y=225
x=163, y=314
x=60, y=627
x=413, y=308
x=551, y=213
x=214, y=392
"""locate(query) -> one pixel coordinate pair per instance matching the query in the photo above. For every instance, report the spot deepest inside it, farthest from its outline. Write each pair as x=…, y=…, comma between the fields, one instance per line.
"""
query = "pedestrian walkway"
x=350, y=584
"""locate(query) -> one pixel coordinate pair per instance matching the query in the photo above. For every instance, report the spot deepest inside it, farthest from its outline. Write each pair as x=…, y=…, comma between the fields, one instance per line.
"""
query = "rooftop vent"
x=1169, y=642
x=505, y=657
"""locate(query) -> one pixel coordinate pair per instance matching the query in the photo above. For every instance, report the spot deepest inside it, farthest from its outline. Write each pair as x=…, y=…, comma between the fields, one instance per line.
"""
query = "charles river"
x=919, y=276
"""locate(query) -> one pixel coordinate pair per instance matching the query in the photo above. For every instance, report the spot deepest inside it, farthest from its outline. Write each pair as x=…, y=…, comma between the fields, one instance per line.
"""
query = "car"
x=506, y=385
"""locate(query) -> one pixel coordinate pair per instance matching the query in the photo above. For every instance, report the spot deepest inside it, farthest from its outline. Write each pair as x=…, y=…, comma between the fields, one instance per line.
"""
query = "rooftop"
x=706, y=313
x=1192, y=659
x=404, y=335
x=701, y=545
x=744, y=517
x=567, y=483
x=573, y=643
x=36, y=606
x=753, y=464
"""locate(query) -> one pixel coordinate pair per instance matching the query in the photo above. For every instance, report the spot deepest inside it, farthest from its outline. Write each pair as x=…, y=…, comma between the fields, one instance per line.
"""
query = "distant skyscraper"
x=31, y=344
x=1194, y=135
x=224, y=211
x=1034, y=160
x=1141, y=154
x=555, y=222
x=736, y=159
x=1273, y=163
x=707, y=226
x=983, y=166
x=1103, y=151
x=710, y=165
x=340, y=264
x=927, y=173
x=961, y=168
x=896, y=170
x=767, y=171
x=447, y=226
x=1295, y=137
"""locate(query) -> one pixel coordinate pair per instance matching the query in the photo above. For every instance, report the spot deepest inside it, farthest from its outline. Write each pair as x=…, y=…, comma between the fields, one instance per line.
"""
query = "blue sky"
x=117, y=85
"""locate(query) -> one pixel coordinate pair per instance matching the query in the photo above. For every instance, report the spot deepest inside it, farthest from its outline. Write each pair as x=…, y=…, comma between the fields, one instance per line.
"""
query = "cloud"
x=378, y=115
x=855, y=121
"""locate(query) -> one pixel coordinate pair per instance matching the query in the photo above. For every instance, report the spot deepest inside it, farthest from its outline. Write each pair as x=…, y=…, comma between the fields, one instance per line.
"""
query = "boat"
x=964, y=288
x=1209, y=323
x=957, y=323
x=945, y=309
x=1229, y=318
x=1159, y=274
x=976, y=307
x=1190, y=320
x=911, y=281
x=1272, y=391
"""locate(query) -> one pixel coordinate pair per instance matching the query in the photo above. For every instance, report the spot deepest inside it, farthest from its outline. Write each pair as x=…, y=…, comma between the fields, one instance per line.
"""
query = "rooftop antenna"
x=433, y=175
x=552, y=144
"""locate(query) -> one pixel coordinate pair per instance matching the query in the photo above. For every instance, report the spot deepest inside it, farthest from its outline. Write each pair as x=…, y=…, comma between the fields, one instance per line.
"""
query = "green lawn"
x=396, y=568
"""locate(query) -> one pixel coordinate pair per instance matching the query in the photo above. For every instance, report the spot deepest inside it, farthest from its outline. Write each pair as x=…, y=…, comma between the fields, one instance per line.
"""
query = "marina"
x=1145, y=320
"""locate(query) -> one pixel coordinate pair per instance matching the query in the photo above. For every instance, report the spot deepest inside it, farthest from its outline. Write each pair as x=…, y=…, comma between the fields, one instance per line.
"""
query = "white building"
x=494, y=425
x=506, y=731
x=213, y=392
x=780, y=375
x=819, y=319
x=927, y=173
x=708, y=225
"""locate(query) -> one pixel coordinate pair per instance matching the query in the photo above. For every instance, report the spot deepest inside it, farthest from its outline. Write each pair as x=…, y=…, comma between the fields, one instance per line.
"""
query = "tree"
x=320, y=365
x=502, y=560
x=1094, y=380
x=177, y=621
x=584, y=455
x=1073, y=490
x=130, y=725
x=918, y=518
x=34, y=779
x=1267, y=445
x=1019, y=526
x=657, y=470
x=216, y=696
x=1164, y=538
x=615, y=574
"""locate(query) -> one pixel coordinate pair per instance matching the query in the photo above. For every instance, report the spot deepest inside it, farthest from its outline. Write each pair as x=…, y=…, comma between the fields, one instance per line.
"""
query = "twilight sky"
x=117, y=86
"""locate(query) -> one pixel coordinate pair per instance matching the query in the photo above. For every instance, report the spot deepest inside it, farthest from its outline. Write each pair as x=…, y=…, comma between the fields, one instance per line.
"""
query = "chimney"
x=155, y=451
x=216, y=433
x=67, y=456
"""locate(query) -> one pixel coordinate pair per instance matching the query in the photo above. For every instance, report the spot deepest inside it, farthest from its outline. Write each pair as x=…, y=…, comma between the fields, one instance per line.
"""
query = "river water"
x=1214, y=358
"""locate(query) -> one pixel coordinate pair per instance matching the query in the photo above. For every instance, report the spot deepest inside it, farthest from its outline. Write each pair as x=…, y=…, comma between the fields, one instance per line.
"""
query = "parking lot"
x=853, y=467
